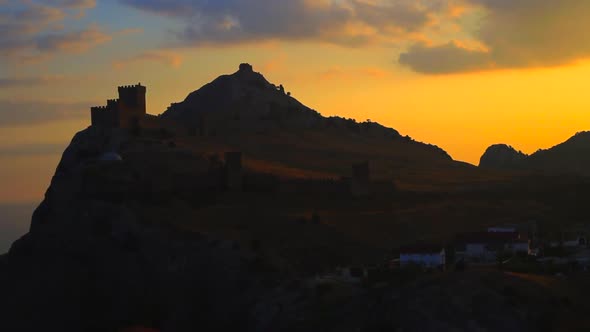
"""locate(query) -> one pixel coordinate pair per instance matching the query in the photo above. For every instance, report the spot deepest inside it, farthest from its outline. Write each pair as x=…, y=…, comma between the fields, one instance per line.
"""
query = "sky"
x=461, y=74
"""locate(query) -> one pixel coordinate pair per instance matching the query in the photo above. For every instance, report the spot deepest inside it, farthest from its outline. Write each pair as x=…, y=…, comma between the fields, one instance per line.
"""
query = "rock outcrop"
x=501, y=156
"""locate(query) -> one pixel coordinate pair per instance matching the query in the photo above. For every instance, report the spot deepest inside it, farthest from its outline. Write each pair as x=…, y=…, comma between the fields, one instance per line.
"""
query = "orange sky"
x=461, y=74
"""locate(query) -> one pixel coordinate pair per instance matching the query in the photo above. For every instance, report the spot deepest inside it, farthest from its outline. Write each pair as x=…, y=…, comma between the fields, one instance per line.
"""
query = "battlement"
x=98, y=108
x=124, y=112
x=137, y=87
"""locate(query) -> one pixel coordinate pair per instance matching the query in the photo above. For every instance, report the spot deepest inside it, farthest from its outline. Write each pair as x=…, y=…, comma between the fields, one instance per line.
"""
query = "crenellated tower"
x=124, y=112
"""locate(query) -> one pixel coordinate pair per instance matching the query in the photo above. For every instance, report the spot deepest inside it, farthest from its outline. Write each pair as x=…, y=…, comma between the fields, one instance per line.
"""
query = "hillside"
x=569, y=157
x=152, y=225
x=243, y=110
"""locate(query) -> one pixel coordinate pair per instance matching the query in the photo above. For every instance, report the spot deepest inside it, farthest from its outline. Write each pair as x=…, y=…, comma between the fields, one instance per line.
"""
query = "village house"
x=428, y=256
x=485, y=246
x=572, y=238
x=575, y=236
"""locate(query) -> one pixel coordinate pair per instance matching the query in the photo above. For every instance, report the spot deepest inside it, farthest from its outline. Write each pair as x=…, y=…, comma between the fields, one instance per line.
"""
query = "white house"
x=429, y=256
x=485, y=246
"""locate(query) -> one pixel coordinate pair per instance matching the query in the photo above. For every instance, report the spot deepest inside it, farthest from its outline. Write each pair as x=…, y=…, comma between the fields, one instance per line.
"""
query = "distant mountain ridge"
x=569, y=157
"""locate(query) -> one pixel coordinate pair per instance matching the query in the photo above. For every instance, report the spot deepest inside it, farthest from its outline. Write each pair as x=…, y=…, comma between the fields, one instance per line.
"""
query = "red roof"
x=139, y=329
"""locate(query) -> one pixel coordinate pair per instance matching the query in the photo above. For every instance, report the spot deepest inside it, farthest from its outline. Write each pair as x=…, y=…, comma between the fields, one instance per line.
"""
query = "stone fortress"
x=125, y=112
x=129, y=112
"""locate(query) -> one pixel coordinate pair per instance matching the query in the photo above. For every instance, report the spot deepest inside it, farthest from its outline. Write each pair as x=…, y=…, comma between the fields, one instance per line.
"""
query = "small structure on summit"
x=246, y=67
x=125, y=112
x=359, y=185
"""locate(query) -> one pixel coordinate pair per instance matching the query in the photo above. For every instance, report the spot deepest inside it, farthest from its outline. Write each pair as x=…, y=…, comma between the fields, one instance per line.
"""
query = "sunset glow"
x=446, y=72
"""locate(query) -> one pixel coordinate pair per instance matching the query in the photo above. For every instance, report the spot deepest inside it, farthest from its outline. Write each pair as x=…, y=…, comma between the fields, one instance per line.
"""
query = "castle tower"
x=233, y=170
x=359, y=185
x=125, y=112
x=132, y=105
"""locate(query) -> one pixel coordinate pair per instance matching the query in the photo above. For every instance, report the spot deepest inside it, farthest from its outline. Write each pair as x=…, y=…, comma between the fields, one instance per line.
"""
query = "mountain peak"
x=501, y=156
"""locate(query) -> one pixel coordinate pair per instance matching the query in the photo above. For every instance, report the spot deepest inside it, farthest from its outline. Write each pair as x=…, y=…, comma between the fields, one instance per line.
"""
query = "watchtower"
x=360, y=181
x=131, y=104
x=246, y=68
x=233, y=170
x=125, y=112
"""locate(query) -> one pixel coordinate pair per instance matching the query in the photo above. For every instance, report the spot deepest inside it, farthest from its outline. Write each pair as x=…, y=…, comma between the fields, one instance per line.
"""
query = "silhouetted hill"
x=246, y=101
x=501, y=156
x=250, y=114
x=569, y=157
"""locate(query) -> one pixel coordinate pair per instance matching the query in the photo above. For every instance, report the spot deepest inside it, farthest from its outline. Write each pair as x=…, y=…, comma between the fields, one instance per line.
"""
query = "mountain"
x=221, y=213
x=569, y=157
x=241, y=111
x=501, y=156
x=246, y=102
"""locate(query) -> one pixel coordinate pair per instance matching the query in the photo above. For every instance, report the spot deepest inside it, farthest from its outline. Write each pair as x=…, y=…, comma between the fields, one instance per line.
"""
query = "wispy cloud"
x=41, y=80
x=11, y=82
x=73, y=42
x=25, y=112
x=170, y=58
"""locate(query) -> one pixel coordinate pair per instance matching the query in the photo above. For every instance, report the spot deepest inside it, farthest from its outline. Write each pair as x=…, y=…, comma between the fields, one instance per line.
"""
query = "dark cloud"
x=352, y=22
x=516, y=34
x=19, y=113
x=444, y=59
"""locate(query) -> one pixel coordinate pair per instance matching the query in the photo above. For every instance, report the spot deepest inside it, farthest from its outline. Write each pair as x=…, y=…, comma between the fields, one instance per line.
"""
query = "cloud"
x=19, y=113
x=516, y=34
x=79, y=5
x=72, y=42
x=164, y=57
x=11, y=82
x=29, y=81
x=35, y=31
x=344, y=22
x=446, y=58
